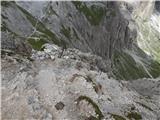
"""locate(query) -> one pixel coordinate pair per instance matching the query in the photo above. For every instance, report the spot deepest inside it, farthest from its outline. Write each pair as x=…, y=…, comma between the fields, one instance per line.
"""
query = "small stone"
x=52, y=57
x=133, y=107
x=59, y=105
x=66, y=57
x=31, y=100
x=47, y=50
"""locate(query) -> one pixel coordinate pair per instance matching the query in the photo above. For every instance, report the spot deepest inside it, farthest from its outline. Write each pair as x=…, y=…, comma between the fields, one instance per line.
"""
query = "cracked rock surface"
x=74, y=84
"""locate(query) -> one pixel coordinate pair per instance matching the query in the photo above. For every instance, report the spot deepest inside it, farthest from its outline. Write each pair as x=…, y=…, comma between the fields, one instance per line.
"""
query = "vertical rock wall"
x=97, y=27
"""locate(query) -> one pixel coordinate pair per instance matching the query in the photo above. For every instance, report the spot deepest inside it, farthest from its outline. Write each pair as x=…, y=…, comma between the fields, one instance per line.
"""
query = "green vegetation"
x=91, y=118
x=95, y=106
x=94, y=13
x=134, y=115
x=66, y=31
x=126, y=67
x=49, y=35
x=154, y=68
x=97, y=87
x=6, y=3
x=36, y=43
x=117, y=117
x=149, y=37
x=69, y=33
x=39, y=26
x=45, y=34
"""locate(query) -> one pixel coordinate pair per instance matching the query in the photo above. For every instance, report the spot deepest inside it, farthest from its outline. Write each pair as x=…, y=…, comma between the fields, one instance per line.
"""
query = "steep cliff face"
x=106, y=29
x=143, y=59
x=98, y=27
x=149, y=29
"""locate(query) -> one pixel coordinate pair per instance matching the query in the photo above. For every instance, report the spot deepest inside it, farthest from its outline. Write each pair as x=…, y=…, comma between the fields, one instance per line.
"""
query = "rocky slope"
x=103, y=28
x=69, y=60
x=70, y=86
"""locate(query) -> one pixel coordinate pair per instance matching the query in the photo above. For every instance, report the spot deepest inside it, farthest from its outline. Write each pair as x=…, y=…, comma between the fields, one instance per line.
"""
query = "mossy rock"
x=95, y=106
x=36, y=43
x=6, y=3
x=134, y=115
x=66, y=31
x=126, y=68
x=40, y=27
x=97, y=87
x=117, y=117
x=93, y=13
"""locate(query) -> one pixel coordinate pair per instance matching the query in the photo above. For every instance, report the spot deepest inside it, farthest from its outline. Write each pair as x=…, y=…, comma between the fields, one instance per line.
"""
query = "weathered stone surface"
x=32, y=89
x=59, y=81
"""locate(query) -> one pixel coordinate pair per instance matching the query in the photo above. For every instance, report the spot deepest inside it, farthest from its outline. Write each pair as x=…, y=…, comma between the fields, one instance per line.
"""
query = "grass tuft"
x=95, y=106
